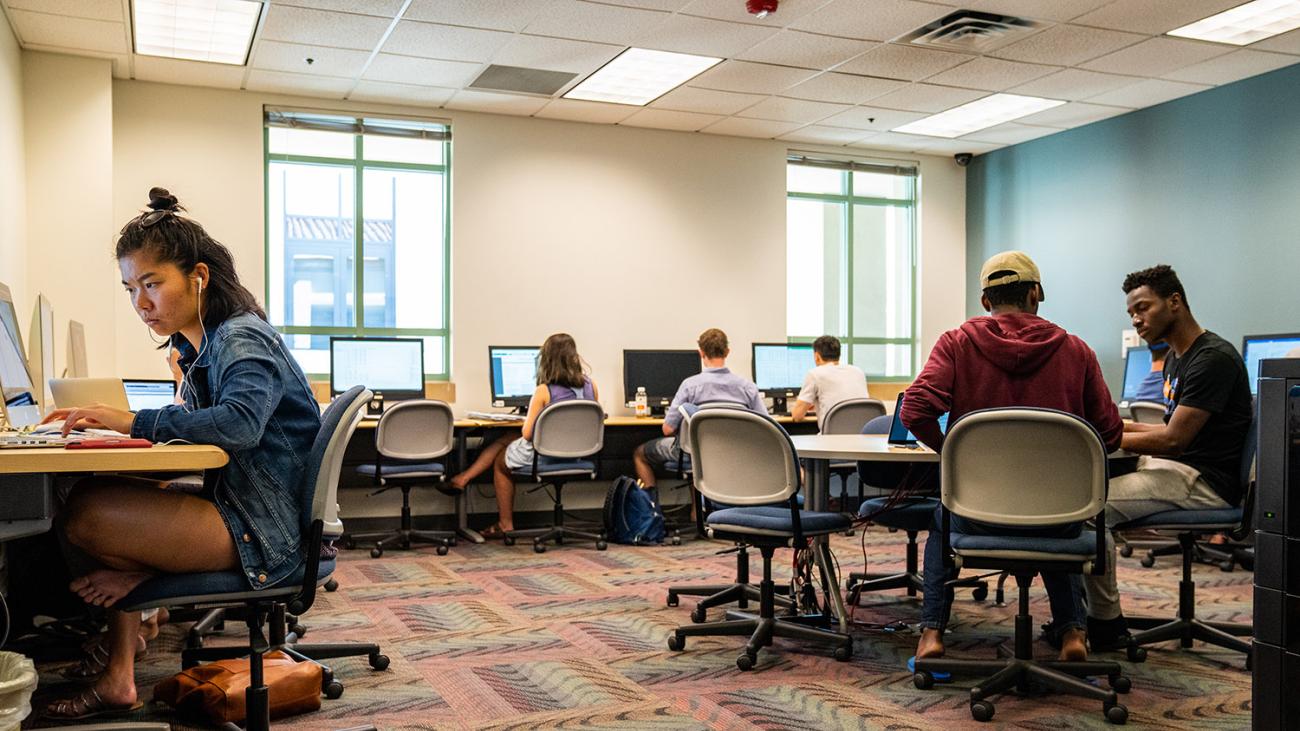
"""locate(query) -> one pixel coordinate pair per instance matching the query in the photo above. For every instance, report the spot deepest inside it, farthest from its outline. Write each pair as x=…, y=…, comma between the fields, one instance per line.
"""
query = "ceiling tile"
x=842, y=88
x=421, y=71
x=90, y=9
x=706, y=101
x=786, y=13
x=70, y=33
x=751, y=128
x=895, y=141
x=704, y=37
x=428, y=40
x=1232, y=67
x=300, y=84
x=1073, y=84
x=872, y=118
x=665, y=119
x=927, y=98
x=382, y=8
x=383, y=91
x=483, y=101
x=952, y=147
x=1059, y=10
x=806, y=50
x=817, y=134
x=555, y=54
x=1285, y=43
x=176, y=71
x=585, y=21
x=792, y=110
x=292, y=57
x=1067, y=45
x=576, y=110
x=753, y=78
x=1073, y=114
x=880, y=21
x=1157, y=56
x=990, y=74
x=510, y=15
x=903, y=62
x=323, y=28
x=1153, y=17
x=1009, y=133
x=1147, y=92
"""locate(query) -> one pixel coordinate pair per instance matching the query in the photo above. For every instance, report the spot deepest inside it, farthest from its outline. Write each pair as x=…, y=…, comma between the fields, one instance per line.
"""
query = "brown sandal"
x=87, y=704
x=95, y=661
x=492, y=532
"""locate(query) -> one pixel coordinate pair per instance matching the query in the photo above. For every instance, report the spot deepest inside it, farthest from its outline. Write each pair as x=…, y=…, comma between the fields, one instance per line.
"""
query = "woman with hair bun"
x=241, y=391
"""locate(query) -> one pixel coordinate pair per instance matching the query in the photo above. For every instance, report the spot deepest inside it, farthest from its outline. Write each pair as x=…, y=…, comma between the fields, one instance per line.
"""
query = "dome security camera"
x=963, y=158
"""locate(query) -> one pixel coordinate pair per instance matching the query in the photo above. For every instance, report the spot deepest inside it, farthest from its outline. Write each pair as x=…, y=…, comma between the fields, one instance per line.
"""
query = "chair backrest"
x=742, y=458
x=878, y=425
x=1147, y=412
x=419, y=429
x=570, y=429
x=684, y=430
x=325, y=461
x=1023, y=467
x=848, y=417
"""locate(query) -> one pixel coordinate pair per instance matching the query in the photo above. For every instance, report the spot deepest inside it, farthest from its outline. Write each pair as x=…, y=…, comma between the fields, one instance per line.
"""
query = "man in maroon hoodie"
x=1012, y=357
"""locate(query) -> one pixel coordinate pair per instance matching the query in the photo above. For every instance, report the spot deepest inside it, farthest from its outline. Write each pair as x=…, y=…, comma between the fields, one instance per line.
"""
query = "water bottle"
x=642, y=402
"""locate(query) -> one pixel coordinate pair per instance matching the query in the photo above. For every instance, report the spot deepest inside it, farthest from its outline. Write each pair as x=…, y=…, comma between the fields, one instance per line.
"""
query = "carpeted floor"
x=499, y=637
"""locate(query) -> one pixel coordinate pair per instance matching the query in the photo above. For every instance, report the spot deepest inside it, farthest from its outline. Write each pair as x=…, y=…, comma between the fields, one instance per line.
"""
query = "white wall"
x=13, y=196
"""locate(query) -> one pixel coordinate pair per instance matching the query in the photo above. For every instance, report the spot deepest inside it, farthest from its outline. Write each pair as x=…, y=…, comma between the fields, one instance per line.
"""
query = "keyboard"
x=492, y=416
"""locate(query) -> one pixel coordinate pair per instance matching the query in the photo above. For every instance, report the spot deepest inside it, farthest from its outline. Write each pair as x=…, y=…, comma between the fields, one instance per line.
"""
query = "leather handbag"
x=215, y=691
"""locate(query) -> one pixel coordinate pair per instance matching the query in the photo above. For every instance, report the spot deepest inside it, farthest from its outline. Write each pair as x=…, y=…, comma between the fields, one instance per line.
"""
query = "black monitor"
x=514, y=374
x=1137, y=364
x=1255, y=348
x=660, y=372
x=393, y=368
x=779, y=370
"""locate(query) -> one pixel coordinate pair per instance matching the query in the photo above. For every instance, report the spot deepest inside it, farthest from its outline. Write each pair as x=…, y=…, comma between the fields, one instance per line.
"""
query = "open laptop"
x=149, y=393
x=70, y=393
x=899, y=436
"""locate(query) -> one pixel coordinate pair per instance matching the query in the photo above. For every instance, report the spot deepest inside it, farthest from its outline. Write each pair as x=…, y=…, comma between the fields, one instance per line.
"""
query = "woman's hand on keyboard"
x=98, y=416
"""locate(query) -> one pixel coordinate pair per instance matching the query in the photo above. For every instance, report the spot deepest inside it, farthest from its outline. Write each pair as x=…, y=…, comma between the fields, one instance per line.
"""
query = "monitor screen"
x=899, y=434
x=1255, y=348
x=13, y=361
x=391, y=366
x=514, y=371
x=149, y=393
x=781, y=366
x=660, y=372
x=1137, y=364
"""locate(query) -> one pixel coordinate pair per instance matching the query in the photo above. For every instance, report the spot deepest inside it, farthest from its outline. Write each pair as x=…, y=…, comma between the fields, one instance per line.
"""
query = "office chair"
x=849, y=417
x=565, y=435
x=746, y=459
x=409, y=436
x=268, y=607
x=1147, y=412
x=1012, y=470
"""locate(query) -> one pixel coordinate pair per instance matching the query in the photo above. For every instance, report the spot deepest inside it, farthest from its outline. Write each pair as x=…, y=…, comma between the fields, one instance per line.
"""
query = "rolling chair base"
x=405, y=536
x=715, y=595
x=910, y=579
x=557, y=532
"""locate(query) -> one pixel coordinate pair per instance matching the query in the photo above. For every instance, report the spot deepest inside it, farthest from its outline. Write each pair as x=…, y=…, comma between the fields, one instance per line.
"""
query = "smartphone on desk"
x=110, y=443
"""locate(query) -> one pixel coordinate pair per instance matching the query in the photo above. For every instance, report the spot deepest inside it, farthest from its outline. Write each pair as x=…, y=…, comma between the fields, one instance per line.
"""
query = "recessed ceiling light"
x=1245, y=24
x=217, y=31
x=638, y=76
x=977, y=115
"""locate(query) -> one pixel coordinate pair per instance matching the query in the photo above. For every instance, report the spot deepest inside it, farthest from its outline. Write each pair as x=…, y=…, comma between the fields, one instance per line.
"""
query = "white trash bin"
x=17, y=682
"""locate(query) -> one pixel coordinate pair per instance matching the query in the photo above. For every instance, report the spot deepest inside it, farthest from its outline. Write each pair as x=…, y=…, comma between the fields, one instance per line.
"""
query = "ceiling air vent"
x=522, y=80
x=971, y=31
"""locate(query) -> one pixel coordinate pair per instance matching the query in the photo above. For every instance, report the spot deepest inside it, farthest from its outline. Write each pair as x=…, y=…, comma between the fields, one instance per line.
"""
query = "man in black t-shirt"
x=1192, y=461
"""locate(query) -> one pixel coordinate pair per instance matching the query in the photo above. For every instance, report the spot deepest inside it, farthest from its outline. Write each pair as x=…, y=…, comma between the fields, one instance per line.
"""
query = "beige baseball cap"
x=1008, y=267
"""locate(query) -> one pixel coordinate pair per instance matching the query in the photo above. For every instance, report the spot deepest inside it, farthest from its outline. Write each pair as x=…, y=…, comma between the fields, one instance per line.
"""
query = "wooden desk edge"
x=159, y=458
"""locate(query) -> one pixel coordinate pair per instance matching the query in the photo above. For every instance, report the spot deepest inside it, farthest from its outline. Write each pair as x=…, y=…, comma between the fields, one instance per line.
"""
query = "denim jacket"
x=247, y=395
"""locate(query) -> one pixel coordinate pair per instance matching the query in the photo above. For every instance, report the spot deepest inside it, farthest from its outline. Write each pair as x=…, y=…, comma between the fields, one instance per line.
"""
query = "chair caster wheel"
x=1120, y=684
x=699, y=615
x=981, y=711
x=1148, y=560
x=508, y=540
x=539, y=548
x=1116, y=714
x=1126, y=551
x=746, y=661
x=676, y=643
x=442, y=550
x=376, y=552
x=333, y=689
x=1136, y=653
x=1226, y=566
x=676, y=540
x=379, y=662
x=672, y=600
x=843, y=653
x=923, y=680
x=298, y=630
x=601, y=545
x=331, y=585
x=980, y=594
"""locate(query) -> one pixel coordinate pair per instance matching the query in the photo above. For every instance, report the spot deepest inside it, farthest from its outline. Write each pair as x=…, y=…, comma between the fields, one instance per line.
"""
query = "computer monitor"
x=15, y=382
x=393, y=368
x=1255, y=348
x=1137, y=364
x=149, y=393
x=77, y=366
x=659, y=372
x=40, y=351
x=779, y=370
x=513, y=374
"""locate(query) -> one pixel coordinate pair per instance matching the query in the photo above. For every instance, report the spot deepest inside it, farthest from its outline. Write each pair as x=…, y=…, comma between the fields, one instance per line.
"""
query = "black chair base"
x=910, y=578
x=715, y=595
x=557, y=532
x=405, y=537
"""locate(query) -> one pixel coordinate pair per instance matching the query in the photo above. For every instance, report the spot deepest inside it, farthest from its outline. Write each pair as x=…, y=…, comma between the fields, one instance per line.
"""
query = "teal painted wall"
x=1209, y=184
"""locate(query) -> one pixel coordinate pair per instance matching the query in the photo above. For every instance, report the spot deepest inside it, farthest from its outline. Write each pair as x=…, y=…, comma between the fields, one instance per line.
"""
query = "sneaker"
x=1108, y=635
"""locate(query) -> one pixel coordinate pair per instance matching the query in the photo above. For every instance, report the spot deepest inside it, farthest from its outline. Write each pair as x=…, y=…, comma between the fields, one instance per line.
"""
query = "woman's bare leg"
x=505, y=488
x=483, y=462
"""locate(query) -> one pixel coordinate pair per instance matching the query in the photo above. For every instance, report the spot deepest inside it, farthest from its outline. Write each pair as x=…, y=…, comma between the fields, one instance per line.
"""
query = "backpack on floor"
x=632, y=514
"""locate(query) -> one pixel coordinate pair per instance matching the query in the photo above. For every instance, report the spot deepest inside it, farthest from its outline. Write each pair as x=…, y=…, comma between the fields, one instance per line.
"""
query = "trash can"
x=17, y=682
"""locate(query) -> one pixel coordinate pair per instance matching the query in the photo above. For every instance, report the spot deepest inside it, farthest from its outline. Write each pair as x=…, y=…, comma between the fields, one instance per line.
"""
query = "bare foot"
x=1073, y=648
x=104, y=587
x=931, y=644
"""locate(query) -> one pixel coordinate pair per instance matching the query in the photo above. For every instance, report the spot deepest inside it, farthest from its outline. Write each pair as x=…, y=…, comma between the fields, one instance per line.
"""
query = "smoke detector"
x=761, y=8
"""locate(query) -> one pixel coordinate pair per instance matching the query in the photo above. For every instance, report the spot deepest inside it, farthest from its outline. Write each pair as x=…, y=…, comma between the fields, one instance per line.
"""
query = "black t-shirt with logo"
x=1212, y=376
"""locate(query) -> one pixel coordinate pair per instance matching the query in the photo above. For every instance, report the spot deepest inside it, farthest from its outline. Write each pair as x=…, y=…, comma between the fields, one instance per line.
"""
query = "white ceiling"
x=815, y=71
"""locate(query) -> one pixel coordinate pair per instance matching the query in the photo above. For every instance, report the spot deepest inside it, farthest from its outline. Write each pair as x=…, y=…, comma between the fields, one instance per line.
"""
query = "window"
x=851, y=261
x=355, y=204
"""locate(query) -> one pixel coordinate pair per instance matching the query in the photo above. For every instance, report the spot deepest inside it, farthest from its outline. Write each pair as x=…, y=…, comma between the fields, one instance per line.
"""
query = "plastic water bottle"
x=642, y=402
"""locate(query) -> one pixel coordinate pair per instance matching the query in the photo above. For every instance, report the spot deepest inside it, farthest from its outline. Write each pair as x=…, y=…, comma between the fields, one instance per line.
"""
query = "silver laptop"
x=149, y=393
x=70, y=393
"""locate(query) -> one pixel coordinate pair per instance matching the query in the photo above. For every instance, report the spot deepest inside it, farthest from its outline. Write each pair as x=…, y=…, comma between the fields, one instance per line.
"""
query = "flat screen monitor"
x=514, y=374
x=393, y=367
x=77, y=366
x=660, y=372
x=779, y=368
x=1137, y=364
x=13, y=357
x=1255, y=348
x=900, y=435
x=149, y=393
x=40, y=351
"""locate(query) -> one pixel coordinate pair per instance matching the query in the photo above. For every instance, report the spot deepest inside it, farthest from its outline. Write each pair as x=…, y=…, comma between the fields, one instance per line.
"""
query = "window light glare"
x=217, y=31
x=1245, y=24
x=638, y=76
x=977, y=115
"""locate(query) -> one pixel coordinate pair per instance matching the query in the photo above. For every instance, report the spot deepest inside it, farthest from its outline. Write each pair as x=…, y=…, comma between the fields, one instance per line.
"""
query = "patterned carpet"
x=497, y=637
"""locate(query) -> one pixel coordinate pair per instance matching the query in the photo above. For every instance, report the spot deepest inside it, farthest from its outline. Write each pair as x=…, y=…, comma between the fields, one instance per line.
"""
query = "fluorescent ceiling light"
x=217, y=31
x=1245, y=24
x=638, y=76
x=977, y=115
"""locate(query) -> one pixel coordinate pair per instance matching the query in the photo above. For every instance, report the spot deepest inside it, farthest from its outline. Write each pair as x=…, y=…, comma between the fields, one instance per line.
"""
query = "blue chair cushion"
x=404, y=469
x=551, y=467
x=1221, y=518
x=910, y=514
x=1083, y=545
x=766, y=519
x=211, y=586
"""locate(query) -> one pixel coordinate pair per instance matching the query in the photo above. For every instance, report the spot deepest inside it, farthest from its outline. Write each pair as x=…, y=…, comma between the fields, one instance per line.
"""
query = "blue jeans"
x=1064, y=590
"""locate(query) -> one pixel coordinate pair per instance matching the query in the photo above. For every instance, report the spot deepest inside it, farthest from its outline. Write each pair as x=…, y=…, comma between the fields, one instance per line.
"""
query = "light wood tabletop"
x=159, y=458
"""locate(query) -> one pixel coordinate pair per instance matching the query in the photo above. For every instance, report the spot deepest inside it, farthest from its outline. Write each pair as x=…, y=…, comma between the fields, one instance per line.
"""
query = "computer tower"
x=1276, y=649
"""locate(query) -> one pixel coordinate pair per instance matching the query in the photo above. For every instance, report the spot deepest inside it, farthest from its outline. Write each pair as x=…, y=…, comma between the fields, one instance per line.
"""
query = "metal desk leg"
x=817, y=496
x=462, y=509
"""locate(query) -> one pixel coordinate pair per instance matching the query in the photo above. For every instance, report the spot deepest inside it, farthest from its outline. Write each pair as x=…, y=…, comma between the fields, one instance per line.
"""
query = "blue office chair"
x=268, y=607
x=849, y=417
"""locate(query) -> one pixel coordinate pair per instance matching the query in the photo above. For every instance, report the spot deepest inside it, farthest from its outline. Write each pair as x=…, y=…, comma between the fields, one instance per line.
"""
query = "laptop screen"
x=898, y=434
x=149, y=394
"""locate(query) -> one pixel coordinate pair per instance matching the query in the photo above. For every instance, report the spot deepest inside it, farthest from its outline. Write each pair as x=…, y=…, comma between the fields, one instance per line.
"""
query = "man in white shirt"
x=829, y=383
